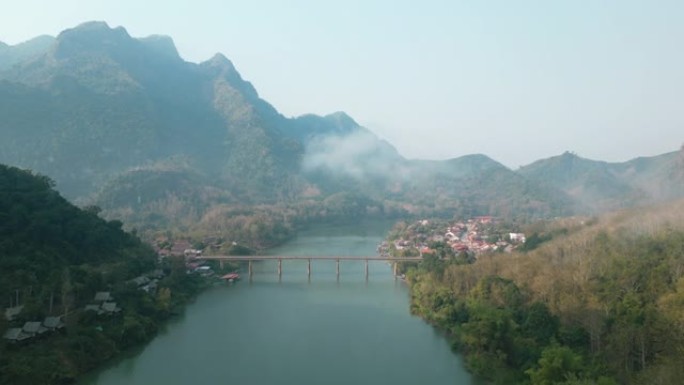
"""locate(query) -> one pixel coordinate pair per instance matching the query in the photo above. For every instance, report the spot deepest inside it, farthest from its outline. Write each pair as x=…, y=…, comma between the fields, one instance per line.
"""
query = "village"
x=102, y=304
x=166, y=248
x=469, y=238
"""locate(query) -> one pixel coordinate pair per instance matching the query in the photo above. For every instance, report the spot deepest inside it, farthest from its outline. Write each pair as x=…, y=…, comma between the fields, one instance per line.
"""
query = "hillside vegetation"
x=600, y=305
x=41, y=234
x=54, y=258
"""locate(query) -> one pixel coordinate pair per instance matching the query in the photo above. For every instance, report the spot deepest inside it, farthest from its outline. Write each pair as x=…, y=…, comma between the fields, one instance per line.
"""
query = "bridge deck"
x=306, y=257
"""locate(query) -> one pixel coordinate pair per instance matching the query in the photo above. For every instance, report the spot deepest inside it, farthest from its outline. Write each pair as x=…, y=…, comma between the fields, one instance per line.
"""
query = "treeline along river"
x=299, y=331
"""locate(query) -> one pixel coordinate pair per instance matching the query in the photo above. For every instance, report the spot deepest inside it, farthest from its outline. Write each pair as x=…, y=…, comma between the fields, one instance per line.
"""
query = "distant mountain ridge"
x=13, y=54
x=128, y=124
x=599, y=186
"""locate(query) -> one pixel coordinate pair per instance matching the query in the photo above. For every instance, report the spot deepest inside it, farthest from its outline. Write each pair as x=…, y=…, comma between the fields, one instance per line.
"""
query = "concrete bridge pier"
x=366, y=269
x=337, y=269
x=308, y=269
x=221, y=264
x=394, y=269
x=249, y=268
x=280, y=268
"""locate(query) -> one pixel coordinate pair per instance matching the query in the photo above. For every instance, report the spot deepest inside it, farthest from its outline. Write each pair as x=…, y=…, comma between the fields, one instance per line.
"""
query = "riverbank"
x=92, y=341
x=294, y=330
x=592, y=305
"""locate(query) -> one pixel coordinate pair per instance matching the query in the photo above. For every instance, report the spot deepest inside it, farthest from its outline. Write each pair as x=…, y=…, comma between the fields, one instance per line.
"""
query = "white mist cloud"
x=358, y=155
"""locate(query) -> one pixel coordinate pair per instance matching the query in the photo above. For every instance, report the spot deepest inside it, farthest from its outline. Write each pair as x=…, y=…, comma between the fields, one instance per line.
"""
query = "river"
x=297, y=330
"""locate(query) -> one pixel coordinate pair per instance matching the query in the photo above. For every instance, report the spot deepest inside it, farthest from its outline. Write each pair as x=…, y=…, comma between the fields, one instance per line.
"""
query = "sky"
x=515, y=80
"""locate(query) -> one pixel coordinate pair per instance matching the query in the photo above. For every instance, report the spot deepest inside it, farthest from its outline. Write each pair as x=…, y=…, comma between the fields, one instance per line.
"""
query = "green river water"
x=299, y=331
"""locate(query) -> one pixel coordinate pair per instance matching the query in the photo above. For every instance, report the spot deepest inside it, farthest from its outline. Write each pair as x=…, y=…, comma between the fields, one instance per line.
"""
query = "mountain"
x=13, y=54
x=99, y=102
x=601, y=186
x=127, y=124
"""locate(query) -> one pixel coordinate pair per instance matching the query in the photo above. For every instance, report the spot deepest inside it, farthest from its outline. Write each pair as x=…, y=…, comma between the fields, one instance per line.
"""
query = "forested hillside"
x=41, y=234
x=599, y=305
x=54, y=258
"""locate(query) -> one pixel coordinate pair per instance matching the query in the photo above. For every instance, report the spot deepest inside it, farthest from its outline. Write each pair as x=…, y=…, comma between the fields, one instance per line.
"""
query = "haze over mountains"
x=128, y=124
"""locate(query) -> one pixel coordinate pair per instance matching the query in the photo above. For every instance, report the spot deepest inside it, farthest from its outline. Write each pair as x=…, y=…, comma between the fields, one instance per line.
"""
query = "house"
x=110, y=308
x=426, y=250
x=150, y=287
x=15, y=335
x=143, y=282
x=140, y=281
x=105, y=308
x=192, y=253
x=53, y=323
x=103, y=296
x=517, y=237
x=34, y=327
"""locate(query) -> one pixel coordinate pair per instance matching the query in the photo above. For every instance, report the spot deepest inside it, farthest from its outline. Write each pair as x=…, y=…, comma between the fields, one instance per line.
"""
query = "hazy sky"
x=516, y=80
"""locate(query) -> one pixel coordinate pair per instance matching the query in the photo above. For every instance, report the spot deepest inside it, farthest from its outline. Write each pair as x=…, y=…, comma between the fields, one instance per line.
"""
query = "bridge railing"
x=305, y=257
x=309, y=258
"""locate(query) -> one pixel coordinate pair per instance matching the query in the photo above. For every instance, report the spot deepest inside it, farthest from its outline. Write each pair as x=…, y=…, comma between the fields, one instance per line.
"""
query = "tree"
x=432, y=264
x=539, y=323
x=164, y=299
x=556, y=365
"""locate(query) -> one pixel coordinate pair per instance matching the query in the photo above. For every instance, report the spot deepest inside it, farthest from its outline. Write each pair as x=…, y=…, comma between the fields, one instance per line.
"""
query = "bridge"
x=250, y=258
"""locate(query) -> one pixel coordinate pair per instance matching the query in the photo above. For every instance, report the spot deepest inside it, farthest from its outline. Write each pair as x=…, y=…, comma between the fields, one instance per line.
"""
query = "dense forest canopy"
x=41, y=233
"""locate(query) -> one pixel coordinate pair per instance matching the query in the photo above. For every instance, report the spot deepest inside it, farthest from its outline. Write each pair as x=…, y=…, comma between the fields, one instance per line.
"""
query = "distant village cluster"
x=177, y=248
x=475, y=236
x=183, y=248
